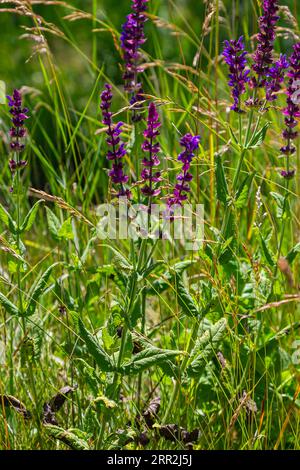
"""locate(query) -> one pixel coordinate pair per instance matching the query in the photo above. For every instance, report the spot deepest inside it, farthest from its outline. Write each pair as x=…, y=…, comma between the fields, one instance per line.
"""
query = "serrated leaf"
x=30, y=217
x=6, y=218
x=147, y=358
x=102, y=359
x=11, y=308
x=221, y=185
x=291, y=256
x=38, y=290
x=185, y=299
x=68, y=437
x=205, y=347
x=66, y=230
x=243, y=192
x=259, y=137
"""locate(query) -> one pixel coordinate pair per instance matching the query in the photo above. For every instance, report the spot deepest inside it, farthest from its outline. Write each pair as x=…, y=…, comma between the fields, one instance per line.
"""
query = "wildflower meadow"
x=149, y=225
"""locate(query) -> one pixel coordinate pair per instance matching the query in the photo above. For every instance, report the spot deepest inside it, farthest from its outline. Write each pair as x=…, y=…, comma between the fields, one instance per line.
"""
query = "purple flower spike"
x=132, y=38
x=263, y=56
x=276, y=74
x=292, y=111
x=235, y=56
x=117, y=148
x=190, y=144
x=17, y=131
x=19, y=116
x=151, y=149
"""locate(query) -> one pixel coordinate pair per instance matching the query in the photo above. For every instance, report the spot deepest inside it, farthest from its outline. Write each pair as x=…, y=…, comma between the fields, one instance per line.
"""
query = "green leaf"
x=102, y=359
x=205, y=347
x=185, y=299
x=291, y=256
x=67, y=436
x=30, y=217
x=11, y=308
x=280, y=203
x=243, y=192
x=119, y=260
x=259, y=137
x=151, y=268
x=53, y=223
x=37, y=291
x=266, y=252
x=147, y=358
x=222, y=189
x=66, y=230
x=6, y=218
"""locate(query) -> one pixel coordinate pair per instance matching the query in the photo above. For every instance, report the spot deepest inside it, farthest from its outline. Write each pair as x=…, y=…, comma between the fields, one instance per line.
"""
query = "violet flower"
x=17, y=131
x=292, y=111
x=235, y=56
x=190, y=144
x=263, y=56
x=117, y=147
x=132, y=38
x=151, y=149
x=277, y=75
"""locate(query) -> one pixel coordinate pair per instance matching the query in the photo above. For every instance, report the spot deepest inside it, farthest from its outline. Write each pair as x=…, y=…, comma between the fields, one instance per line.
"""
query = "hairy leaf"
x=67, y=436
x=185, y=299
x=205, y=346
x=148, y=358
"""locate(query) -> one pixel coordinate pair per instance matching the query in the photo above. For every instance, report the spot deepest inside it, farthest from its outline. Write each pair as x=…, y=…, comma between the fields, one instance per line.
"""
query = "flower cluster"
x=263, y=56
x=190, y=144
x=277, y=75
x=117, y=147
x=292, y=111
x=17, y=131
x=152, y=149
x=235, y=56
x=132, y=38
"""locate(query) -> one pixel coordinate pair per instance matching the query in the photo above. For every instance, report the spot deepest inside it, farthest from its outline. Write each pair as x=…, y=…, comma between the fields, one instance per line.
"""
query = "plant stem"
x=172, y=401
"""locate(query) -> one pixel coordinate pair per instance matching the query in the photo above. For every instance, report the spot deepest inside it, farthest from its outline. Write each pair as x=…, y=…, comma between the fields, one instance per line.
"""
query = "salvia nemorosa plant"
x=235, y=56
x=117, y=148
x=291, y=111
x=263, y=56
x=276, y=76
x=132, y=38
x=190, y=144
x=17, y=131
x=151, y=148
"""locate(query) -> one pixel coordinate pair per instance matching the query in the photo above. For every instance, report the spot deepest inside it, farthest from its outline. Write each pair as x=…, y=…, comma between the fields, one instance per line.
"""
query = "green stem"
x=173, y=399
x=283, y=225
